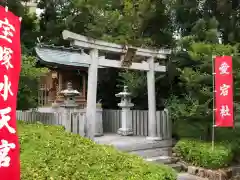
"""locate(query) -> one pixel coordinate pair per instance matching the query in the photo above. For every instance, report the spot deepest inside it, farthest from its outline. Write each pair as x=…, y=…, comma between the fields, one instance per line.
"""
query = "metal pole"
x=213, y=112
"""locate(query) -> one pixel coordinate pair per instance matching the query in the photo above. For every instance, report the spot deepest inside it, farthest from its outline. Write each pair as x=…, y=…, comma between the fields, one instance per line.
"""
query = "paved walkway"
x=185, y=176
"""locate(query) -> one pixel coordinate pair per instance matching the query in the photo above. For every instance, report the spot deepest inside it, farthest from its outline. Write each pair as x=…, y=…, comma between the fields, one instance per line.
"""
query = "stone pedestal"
x=98, y=123
x=66, y=116
x=126, y=118
x=126, y=129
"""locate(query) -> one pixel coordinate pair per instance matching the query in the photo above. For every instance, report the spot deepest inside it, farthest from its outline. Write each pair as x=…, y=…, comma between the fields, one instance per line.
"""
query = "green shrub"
x=200, y=153
x=47, y=152
x=230, y=136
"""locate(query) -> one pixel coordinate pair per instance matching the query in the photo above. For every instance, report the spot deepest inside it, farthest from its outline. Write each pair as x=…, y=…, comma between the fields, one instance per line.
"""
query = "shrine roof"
x=59, y=55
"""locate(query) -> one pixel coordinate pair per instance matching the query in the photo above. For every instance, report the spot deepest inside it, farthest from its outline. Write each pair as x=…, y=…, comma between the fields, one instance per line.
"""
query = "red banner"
x=223, y=92
x=10, y=64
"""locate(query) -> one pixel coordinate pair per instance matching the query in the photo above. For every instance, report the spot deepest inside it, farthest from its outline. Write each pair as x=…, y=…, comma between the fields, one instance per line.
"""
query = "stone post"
x=126, y=119
x=92, y=94
x=99, y=123
x=152, y=122
x=69, y=105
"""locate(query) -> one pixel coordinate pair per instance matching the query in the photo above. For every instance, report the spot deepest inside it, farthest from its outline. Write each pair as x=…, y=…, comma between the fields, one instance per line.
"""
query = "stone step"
x=148, y=153
x=177, y=167
x=186, y=176
x=167, y=161
x=160, y=159
x=142, y=144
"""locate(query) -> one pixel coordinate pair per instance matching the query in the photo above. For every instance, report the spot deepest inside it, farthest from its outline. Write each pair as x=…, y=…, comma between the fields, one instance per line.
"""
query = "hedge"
x=200, y=153
x=48, y=152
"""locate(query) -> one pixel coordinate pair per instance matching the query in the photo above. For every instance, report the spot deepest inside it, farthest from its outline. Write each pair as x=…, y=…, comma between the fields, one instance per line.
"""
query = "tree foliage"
x=187, y=12
x=28, y=84
x=124, y=22
x=195, y=103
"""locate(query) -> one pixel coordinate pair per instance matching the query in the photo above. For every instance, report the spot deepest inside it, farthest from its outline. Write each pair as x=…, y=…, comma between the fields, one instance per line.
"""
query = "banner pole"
x=213, y=111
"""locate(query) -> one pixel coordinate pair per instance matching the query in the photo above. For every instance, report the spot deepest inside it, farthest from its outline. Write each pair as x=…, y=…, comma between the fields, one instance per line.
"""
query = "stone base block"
x=125, y=132
x=221, y=174
x=98, y=134
x=149, y=138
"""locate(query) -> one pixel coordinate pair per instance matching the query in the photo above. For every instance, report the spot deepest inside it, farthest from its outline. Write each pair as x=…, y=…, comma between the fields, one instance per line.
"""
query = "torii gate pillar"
x=152, y=121
x=92, y=94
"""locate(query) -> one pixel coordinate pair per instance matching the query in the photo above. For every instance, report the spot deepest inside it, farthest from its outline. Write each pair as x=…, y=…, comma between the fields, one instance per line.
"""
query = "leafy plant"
x=29, y=83
x=48, y=152
x=200, y=153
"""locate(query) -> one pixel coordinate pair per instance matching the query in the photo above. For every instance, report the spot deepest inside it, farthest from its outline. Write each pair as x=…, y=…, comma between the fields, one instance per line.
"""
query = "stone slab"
x=160, y=159
x=186, y=176
x=131, y=143
x=176, y=167
x=147, y=153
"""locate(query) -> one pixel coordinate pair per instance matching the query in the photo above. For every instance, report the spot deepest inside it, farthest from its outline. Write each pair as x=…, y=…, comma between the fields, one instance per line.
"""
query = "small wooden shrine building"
x=63, y=67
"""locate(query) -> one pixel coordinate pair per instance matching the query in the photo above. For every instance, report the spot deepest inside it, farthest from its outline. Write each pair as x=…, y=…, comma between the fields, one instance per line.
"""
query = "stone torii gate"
x=146, y=62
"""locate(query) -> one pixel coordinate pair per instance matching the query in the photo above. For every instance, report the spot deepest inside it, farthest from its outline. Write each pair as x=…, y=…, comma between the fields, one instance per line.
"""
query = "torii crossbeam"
x=127, y=55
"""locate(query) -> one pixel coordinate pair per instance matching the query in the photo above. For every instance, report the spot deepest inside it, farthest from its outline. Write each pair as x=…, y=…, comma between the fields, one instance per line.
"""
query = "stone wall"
x=230, y=173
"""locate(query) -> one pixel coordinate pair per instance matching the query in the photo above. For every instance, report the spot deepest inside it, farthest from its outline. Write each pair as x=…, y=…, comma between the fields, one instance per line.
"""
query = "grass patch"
x=49, y=153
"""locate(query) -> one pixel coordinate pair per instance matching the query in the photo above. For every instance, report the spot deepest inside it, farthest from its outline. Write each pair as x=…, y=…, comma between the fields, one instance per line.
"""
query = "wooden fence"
x=111, y=121
x=45, y=118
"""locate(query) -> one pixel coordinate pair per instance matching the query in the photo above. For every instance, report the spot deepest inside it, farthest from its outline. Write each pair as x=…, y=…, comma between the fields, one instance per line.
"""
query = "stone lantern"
x=69, y=105
x=126, y=118
x=69, y=96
